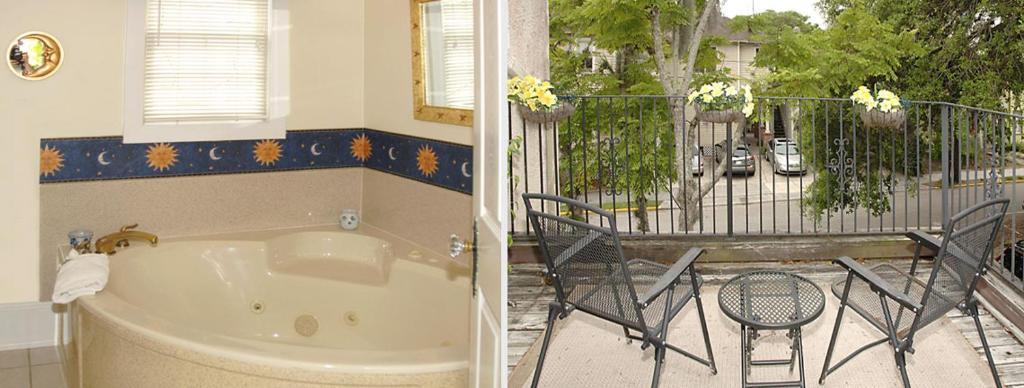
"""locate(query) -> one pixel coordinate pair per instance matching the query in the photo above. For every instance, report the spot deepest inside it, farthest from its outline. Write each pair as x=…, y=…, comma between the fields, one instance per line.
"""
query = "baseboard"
x=27, y=325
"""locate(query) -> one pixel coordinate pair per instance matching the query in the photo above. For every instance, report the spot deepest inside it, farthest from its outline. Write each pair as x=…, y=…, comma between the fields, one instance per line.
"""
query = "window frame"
x=274, y=127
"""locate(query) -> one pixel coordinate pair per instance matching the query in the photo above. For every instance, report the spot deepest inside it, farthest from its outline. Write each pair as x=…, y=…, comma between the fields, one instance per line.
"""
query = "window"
x=205, y=70
x=448, y=47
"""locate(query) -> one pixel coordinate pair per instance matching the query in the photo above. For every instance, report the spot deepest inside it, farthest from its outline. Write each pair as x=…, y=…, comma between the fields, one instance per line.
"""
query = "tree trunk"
x=642, y=222
x=688, y=196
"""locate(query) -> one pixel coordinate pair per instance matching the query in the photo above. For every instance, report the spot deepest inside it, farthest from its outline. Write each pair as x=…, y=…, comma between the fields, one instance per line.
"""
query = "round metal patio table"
x=771, y=300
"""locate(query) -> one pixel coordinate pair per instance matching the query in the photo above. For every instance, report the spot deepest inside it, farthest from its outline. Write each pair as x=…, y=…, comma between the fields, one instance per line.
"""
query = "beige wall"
x=739, y=58
x=85, y=97
x=389, y=76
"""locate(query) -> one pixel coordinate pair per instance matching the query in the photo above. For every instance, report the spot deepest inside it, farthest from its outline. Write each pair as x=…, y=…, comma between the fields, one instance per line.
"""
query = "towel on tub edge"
x=82, y=274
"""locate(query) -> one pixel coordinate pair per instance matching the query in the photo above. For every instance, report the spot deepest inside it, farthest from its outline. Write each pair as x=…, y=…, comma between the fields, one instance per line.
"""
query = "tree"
x=679, y=37
x=856, y=49
x=973, y=49
x=624, y=28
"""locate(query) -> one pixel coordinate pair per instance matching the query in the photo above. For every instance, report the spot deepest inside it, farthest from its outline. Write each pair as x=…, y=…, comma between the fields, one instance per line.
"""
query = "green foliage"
x=974, y=49
x=856, y=49
x=624, y=144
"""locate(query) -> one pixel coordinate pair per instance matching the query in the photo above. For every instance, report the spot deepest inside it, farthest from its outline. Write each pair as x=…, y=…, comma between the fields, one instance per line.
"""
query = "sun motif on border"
x=361, y=148
x=267, y=152
x=50, y=161
x=161, y=156
x=426, y=161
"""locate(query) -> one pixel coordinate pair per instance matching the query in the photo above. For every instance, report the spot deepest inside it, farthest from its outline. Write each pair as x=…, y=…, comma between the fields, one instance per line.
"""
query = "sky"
x=732, y=8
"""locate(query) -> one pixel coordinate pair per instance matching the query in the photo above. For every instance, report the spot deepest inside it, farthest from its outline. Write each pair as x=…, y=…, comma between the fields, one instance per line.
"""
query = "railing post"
x=727, y=158
x=946, y=165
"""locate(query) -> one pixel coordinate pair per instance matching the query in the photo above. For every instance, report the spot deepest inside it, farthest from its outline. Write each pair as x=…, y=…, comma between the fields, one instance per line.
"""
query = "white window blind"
x=205, y=61
x=457, y=23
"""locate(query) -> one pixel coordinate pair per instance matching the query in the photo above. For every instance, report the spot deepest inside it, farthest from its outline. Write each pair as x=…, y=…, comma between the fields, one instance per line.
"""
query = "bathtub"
x=315, y=307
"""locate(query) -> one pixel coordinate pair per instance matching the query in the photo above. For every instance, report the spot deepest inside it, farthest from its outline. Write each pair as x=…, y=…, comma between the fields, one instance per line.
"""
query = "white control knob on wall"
x=349, y=219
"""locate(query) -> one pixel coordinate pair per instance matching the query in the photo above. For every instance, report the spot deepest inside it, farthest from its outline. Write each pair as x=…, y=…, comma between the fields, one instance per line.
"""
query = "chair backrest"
x=585, y=260
x=967, y=242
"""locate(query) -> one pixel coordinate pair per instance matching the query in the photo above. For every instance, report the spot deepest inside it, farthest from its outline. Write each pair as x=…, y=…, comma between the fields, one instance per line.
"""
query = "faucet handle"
x=129, y=227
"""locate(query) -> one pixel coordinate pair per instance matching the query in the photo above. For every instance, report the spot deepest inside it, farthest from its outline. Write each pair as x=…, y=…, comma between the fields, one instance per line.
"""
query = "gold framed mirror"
x=442, y=61
x=34, y=55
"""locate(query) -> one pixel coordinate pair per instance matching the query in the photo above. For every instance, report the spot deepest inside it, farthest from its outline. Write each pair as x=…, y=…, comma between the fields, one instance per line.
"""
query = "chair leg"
x=659, y=360
x=901, y=364
x=835, y=330
x=704, y=330
x=553, y=311
x=984, y=344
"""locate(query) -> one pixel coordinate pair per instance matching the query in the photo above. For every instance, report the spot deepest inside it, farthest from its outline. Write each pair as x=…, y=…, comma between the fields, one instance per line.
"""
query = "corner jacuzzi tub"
x=306, y=308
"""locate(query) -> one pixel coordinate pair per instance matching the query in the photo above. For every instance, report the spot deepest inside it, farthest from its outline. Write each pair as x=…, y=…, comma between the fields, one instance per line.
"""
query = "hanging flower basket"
x=718, y=116
x=877, y=119
x=558, y=113
x=719, y=102
x=886, y=110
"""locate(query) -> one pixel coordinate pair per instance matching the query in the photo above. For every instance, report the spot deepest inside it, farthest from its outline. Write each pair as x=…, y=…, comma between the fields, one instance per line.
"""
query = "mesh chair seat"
x=866, y=302
x=590, y=273
x=606, y=298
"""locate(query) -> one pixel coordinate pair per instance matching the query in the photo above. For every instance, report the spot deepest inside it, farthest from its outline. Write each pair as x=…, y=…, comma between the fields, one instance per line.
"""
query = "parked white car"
x=785, y=157
x=697, y=165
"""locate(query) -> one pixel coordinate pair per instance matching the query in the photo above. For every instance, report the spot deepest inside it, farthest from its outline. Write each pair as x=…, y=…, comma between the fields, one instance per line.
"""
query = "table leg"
x=744, y=356
x=800, y=348
x=792, y=348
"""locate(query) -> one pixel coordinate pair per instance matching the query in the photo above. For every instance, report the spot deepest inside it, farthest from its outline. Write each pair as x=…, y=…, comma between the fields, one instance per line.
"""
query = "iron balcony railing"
x=825, y=172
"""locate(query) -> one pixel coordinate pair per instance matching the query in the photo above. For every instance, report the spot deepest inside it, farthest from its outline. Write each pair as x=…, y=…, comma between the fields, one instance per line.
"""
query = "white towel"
x=82, y=274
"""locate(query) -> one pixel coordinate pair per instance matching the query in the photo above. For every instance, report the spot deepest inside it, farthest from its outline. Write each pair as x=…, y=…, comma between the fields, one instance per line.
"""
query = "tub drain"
x=306, y=325
x=351, y=318
x=257, y=307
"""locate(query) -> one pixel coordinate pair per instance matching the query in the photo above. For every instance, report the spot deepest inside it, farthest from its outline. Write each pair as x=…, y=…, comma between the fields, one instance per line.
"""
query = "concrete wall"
x=528, y=38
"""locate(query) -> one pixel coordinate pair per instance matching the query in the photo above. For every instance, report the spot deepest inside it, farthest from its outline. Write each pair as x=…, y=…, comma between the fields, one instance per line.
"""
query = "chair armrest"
x=926, y=240
x=876, y=283
x=671, y=276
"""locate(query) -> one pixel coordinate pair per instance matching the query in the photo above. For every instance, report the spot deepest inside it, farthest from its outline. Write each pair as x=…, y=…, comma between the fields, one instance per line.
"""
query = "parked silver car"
x=786, y=158
x=742, y=161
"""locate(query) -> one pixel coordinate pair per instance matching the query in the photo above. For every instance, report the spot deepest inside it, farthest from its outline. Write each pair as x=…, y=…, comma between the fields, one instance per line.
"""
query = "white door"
x=488, y=309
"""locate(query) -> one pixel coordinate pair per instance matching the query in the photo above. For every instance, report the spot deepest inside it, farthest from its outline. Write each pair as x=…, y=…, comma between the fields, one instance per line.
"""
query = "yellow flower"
x=730, y=91
x=885, y=106
x=532, y=104
x=548, y=99
x=530, y=80
x=707, y=98
x=748, y=109
x=692, y=96
x=717, y=89
x=705, y=89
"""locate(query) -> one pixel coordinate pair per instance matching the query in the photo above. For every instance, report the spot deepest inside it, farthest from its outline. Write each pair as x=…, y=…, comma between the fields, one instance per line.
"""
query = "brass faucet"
x=108, y=244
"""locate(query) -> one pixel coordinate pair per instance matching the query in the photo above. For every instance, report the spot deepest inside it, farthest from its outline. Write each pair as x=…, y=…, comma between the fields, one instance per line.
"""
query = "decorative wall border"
x=434, y=162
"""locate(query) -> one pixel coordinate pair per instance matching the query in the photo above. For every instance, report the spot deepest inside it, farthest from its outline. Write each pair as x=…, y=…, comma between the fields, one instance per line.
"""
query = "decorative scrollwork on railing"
x=841, y=164
x=614, y=165
x=993, y=189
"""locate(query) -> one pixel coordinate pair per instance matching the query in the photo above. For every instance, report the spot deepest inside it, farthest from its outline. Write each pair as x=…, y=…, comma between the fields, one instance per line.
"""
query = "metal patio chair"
x=900, y=304
x=586, y=265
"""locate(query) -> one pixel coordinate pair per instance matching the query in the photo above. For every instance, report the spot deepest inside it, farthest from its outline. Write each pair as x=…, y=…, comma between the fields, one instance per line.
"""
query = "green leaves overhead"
x=856, y=49
x=974, y=50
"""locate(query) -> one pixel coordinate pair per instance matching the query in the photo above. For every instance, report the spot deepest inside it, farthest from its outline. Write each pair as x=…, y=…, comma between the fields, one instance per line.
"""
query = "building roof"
x=720, y=26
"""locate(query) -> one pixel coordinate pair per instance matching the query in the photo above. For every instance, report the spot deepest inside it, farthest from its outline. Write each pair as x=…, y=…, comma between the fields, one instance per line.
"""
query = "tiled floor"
x=31, y=368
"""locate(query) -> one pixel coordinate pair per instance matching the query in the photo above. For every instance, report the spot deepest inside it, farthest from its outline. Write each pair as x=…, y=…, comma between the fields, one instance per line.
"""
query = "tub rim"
x=194, y=344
